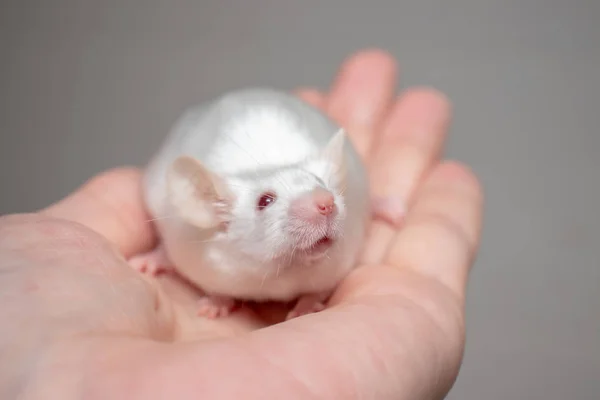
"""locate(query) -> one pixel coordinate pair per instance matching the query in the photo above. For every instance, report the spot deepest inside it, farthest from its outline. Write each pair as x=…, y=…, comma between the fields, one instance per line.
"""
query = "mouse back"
x=243, y=132
x=255, y=128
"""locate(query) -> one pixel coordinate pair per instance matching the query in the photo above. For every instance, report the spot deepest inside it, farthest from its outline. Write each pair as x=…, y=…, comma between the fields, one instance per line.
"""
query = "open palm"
x=86, y=325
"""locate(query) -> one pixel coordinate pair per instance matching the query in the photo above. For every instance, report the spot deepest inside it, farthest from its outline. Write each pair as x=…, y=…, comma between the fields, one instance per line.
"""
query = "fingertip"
x=312, y=96
x=373, y=56
x=362, y=94
x=429, y=94
x=362, y=70
x=425, y=105
x=461, y=176
x=459, y=172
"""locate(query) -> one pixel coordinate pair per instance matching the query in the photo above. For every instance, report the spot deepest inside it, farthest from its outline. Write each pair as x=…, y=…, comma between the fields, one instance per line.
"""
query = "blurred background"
x=89, y=85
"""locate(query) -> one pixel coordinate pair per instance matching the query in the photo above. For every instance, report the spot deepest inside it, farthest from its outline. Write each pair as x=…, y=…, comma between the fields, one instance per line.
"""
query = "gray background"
x=85, y=86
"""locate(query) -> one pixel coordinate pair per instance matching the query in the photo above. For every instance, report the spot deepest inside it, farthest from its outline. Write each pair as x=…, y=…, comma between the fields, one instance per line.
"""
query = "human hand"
x=80, y=323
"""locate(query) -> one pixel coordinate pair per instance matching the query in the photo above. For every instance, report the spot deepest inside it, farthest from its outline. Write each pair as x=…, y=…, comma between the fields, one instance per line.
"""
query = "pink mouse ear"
x=199, y=196
x=335, y=154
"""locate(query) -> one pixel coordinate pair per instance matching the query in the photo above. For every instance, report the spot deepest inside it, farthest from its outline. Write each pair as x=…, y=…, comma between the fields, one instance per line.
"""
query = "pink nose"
x=323, y=201
x=313, y=206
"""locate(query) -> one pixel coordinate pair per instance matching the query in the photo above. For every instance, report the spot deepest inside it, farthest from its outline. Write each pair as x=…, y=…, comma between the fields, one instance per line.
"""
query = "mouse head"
x=286, y=213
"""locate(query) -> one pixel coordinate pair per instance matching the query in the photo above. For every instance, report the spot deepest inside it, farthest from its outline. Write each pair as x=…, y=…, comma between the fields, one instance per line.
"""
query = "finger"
x=441, y=232
x=361, y=95
x=394, y=316
x=411, y=143
x=112, y=205
x=312, y=96
x=391, y=323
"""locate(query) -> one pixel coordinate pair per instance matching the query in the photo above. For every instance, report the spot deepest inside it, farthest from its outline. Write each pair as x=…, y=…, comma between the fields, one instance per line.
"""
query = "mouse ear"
x=199, y=196
x=334, y=153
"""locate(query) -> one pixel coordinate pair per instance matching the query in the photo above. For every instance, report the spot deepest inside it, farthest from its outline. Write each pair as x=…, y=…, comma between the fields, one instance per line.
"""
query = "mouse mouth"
x=321, y=245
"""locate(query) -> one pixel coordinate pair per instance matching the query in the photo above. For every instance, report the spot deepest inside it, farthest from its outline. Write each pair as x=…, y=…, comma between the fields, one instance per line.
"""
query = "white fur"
x=236, y=137
x=256, y=138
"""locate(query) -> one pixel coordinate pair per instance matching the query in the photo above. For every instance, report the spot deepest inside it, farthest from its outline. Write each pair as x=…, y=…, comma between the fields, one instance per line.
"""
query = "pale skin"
x=79, y=322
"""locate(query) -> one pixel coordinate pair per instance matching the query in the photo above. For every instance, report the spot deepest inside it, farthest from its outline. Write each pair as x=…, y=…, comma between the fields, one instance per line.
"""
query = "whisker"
x=201, y=241
x=161, y=218
x=262, y=283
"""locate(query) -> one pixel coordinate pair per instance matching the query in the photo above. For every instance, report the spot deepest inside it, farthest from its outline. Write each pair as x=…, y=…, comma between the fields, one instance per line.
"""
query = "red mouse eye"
x=265, y=200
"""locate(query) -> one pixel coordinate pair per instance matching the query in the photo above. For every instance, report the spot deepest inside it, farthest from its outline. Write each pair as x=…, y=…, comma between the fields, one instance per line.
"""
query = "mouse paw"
x=307, y=304
x=152, y=263
x=214, y=307
x=389, y=209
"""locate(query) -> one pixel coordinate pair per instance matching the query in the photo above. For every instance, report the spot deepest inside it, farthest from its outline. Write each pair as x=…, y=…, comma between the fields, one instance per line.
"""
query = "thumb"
x=112, y=205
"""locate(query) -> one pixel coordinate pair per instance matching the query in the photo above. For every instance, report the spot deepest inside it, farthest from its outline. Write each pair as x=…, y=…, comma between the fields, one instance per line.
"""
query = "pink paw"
x=214, y=307
x=306, y=305
x=151, y=263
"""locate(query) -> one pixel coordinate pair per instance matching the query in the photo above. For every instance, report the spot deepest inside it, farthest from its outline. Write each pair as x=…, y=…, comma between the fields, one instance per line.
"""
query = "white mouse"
x=257, y=196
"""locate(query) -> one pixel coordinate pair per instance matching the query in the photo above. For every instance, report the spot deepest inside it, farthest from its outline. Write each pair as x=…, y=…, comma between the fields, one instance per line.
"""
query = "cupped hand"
x=78, y=322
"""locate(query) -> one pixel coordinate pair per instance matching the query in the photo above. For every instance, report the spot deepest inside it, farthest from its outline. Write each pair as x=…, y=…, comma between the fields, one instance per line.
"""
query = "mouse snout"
x=314, y=206
x=324, y=202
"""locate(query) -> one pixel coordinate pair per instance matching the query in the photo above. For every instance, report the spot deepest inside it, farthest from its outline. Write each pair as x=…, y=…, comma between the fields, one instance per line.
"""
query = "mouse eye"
x=265, y=200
